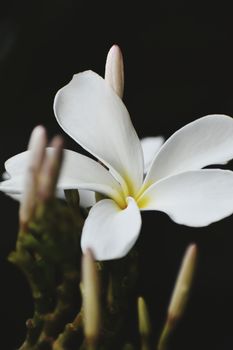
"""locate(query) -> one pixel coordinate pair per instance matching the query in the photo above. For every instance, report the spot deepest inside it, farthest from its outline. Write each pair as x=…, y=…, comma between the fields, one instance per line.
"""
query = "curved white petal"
x=150, y=146
x=17, y=165
x=109, y=231
x=194, y=198
x=13, y=186
x=206, y=141
x=5, y=175
x=86, y=198
x=77, y=172
x=17, y=197
x=93, y=115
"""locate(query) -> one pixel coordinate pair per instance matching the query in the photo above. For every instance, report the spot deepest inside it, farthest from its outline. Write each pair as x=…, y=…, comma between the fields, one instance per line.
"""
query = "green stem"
x=165, y=336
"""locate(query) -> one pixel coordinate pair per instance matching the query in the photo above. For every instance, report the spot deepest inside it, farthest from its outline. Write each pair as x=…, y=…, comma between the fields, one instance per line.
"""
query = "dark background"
x=178, y=67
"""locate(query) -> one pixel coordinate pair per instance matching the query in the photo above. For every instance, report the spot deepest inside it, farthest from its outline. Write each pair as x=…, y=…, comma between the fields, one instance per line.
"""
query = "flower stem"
x=164, y=338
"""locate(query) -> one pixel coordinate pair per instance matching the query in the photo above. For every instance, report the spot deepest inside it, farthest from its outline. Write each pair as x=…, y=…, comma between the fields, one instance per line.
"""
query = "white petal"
x=17, y=197
x=82, y=172
x=150, y=146
x=87, y=198
x=13, y=186
x=206, y=141
x=5, y=175
x=78, y=172
x=17, y=165
x=194, y=198
x=93, y=115
x=109, y=231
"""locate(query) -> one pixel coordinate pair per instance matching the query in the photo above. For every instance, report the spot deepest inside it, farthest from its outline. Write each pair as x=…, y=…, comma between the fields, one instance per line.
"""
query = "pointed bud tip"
x=114, y=70
x=143, y=317
x=38, y=136
x=183, y=284
x=140, y=300
x=114, y=49
x=39, y=130
x=191, y=250
x=88, y=253
x=114, y=57
x=57, y=142
x=193, y=246
x=36, y=146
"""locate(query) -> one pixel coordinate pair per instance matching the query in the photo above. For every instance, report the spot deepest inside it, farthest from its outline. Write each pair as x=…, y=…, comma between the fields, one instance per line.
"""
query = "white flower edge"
x=194, y=198
x=150, y=147
x=119, y=229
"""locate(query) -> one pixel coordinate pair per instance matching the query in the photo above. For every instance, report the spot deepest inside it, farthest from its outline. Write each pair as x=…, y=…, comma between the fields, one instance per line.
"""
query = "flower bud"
x=180, y=295
x=50, y=169
x=114, y=70
x=183, y=284
x=143, y=318
x=36, y=147
x=91, y=296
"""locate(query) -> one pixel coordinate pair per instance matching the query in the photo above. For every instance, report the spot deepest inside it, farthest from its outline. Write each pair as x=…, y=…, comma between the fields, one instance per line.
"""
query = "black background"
x=178, y=67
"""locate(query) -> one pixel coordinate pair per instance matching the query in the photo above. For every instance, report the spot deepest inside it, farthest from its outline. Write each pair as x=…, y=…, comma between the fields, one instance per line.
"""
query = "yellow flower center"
x=139, y=197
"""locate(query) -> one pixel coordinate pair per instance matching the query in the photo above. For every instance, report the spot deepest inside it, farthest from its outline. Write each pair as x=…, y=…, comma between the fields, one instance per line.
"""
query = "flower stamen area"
x=143, y=202
x=139, y=197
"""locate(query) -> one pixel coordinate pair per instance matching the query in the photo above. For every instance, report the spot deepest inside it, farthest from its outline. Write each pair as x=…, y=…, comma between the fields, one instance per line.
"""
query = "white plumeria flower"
x=92, y=114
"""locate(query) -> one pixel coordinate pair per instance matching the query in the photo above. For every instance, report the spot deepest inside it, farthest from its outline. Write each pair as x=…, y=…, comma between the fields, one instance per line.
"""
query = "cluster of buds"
x=176, y=308
x=41, y=175
x=103, y=304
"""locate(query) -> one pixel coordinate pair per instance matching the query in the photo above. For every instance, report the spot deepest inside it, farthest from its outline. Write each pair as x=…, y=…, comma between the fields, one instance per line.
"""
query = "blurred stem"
x=49, y=256
x=70, y=334
x=145, y=345
x=164, y=338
